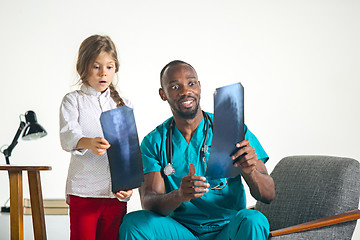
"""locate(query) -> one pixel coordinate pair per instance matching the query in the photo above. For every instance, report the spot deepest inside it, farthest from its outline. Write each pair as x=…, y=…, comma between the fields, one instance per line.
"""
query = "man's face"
x=181, y=89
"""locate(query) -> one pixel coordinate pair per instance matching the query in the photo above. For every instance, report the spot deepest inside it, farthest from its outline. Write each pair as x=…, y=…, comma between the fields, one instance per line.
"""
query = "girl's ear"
x=162, y=94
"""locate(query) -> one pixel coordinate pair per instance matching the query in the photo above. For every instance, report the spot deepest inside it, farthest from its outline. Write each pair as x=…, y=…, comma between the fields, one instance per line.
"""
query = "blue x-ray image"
x=124, y=155
x=228, y=130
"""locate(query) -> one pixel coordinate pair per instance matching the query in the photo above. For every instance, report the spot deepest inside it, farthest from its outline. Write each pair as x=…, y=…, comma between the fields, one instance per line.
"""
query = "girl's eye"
x=110, y=67
x=96, y=67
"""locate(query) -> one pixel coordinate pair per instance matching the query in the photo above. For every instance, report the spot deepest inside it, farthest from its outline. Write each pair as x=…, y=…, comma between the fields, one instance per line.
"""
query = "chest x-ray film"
x=124, y=154
x=228, y=130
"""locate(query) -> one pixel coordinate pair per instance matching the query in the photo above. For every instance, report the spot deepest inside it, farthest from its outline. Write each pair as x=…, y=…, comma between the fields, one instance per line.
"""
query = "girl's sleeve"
x=70, y=130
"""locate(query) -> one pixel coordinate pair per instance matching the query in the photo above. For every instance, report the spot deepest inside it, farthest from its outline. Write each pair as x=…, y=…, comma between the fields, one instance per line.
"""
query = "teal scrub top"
x=214, y=210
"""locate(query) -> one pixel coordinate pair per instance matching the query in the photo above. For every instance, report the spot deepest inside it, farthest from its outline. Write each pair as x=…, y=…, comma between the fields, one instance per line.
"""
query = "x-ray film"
x=124, y=155
x=228, y=130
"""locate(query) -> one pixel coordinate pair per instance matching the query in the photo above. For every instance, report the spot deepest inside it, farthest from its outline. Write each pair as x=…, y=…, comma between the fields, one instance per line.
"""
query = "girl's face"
x=101, y=72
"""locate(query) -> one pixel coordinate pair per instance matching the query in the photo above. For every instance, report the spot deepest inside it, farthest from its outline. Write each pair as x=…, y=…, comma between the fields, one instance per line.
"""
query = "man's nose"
x=185, y=90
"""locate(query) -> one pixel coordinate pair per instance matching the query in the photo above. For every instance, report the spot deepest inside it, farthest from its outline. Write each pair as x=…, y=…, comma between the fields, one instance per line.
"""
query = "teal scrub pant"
x=246, y=224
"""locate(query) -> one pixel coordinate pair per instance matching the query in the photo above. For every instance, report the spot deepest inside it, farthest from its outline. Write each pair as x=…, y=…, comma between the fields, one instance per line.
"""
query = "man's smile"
x=187, y=102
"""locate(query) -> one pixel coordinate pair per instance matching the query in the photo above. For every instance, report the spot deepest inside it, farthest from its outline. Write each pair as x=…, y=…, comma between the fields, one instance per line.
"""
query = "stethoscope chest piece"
x=169, y=170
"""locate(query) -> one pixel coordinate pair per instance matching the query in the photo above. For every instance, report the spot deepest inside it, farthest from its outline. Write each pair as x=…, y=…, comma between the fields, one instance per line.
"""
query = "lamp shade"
x=33, y=129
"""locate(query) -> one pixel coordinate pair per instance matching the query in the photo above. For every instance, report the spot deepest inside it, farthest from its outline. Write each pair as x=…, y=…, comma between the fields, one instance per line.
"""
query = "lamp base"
x=5, y=209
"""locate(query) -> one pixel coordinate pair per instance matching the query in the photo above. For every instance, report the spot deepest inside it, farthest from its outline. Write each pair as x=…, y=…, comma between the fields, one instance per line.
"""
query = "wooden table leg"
x=37, y=205
x=16, y=205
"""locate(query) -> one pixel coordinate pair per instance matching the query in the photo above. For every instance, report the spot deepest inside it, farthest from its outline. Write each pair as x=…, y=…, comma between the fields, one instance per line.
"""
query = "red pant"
x=95, y=218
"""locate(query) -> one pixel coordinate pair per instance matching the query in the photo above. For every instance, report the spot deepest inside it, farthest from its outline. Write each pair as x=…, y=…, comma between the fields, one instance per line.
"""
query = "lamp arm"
x=7, y=152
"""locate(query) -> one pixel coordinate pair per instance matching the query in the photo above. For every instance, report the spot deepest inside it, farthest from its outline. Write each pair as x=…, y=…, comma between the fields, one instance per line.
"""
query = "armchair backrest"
x=312, y=187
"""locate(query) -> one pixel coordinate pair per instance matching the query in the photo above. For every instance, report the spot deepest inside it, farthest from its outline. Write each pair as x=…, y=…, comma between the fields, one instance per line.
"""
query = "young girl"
x=95, y=213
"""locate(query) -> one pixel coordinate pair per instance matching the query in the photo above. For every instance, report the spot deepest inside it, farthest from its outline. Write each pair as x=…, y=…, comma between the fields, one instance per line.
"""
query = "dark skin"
x=181, y=89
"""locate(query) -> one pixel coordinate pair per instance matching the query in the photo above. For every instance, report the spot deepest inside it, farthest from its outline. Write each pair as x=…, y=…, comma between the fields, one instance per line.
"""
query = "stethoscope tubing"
x=169, y=169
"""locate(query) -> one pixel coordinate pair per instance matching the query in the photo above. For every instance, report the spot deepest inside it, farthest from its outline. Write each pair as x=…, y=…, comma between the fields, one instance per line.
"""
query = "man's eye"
x=191, y=83
x=174, y=87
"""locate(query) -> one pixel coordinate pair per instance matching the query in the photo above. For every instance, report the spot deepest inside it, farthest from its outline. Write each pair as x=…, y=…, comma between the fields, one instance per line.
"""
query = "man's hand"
x=253, y=170
x=245, y=157
x=192, y=186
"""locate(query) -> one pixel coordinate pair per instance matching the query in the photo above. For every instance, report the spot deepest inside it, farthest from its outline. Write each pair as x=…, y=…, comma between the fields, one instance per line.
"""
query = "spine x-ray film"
x=228, y=130
x=124, y=155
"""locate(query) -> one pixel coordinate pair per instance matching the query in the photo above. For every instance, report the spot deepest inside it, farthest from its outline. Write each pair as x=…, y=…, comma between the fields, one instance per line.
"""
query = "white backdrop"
x=298, y=61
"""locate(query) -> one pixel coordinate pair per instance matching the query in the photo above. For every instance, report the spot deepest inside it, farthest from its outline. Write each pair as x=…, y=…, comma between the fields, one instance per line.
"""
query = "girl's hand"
x=124, y=194
x=99, y=145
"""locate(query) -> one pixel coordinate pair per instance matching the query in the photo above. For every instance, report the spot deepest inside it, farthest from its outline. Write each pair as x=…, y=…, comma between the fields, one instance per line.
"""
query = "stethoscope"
x=169, y=169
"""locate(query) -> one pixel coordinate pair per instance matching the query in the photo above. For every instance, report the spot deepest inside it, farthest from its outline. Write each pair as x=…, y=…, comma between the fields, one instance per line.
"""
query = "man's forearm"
x=163, y=204
x=261, y=186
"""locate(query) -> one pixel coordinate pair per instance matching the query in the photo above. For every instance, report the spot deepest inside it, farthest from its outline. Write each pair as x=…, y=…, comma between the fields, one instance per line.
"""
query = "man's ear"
x=162, y=94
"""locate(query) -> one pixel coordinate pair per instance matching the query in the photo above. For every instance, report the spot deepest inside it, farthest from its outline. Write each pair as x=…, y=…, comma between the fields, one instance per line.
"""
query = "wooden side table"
x=16, y=200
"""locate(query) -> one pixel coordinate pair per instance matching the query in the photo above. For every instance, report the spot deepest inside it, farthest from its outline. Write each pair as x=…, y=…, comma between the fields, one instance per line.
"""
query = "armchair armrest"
x=322, y=222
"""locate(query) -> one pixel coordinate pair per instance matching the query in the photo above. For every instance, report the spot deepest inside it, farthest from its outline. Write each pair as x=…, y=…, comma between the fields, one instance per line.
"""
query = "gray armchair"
x=310, y=190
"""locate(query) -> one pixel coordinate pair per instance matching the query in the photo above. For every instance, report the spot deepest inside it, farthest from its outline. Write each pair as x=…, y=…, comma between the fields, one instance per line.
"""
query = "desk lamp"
x=33, y=130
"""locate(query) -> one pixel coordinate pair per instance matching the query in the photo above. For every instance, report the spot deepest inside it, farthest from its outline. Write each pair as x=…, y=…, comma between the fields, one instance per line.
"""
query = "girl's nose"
x=103, y=73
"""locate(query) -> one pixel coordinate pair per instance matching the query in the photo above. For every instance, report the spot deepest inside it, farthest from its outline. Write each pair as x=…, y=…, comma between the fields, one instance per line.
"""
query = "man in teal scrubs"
x=185, y=205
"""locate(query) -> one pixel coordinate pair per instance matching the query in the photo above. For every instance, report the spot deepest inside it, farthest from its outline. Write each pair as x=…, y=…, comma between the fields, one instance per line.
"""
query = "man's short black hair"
x=171, y=64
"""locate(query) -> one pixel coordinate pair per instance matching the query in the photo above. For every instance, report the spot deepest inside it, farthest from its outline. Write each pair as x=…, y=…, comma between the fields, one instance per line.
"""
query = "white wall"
x=298, y=61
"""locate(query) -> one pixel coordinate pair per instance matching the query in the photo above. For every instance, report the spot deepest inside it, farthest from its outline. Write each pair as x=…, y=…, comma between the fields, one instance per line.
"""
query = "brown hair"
x=89, y=50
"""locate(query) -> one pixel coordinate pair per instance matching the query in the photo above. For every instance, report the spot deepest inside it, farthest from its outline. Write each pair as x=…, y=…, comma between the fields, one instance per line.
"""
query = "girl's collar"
x=91, y=91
